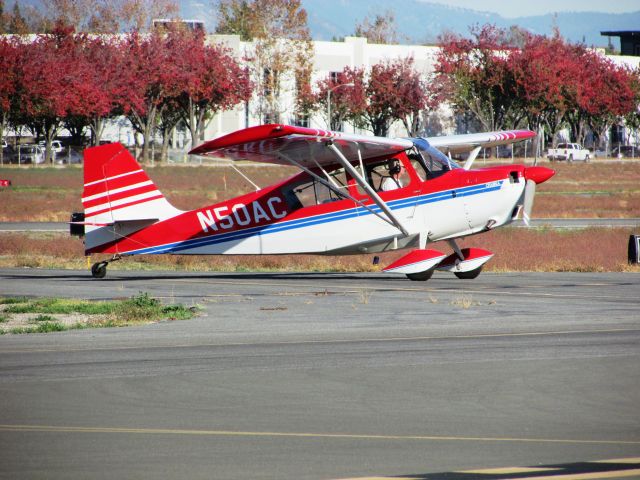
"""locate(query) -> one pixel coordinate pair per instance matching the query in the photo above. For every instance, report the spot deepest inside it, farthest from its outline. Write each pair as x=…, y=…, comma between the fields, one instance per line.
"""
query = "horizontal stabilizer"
x=416, y=261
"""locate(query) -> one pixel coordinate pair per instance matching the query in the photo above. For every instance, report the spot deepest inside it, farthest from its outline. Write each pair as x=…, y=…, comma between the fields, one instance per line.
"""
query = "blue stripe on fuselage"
x=176, y=247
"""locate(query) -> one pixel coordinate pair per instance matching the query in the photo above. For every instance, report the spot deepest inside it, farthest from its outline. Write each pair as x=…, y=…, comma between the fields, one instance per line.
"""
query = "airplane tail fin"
x=118, y=197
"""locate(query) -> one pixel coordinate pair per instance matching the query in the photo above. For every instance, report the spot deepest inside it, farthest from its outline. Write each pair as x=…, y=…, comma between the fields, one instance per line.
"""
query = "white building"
x=328, y=57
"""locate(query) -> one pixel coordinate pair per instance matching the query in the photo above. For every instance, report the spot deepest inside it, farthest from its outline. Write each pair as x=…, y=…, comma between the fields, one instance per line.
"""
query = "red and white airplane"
x=333, y=206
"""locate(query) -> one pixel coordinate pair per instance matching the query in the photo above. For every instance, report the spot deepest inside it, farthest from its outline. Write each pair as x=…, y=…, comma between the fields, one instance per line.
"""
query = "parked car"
x=28, y=153
x=569, y=152
x=69, y=157
x=56, y=146
x=626, y=151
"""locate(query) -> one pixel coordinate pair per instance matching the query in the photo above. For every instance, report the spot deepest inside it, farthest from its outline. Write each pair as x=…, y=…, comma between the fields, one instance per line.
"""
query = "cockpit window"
x=309, y=191
x=435, y=162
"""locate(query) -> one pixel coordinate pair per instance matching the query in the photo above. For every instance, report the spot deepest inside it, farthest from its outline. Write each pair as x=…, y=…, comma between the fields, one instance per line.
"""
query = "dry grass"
x=592, y=250
x=589, y=250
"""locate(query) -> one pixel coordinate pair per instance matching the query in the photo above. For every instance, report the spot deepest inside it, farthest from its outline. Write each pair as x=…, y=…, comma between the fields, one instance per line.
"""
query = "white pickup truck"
x=570, y=152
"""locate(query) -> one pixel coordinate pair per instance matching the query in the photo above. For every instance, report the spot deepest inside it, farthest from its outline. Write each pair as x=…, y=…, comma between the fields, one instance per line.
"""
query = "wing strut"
x=471, y=158
x=367, y=188
x=332, y=186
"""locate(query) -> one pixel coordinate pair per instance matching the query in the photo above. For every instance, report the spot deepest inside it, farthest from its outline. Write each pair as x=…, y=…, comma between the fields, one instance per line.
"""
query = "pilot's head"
x=395, y=167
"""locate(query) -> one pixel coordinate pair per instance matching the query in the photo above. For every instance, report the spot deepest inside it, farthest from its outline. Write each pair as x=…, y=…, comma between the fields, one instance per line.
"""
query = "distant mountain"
x=422, y=22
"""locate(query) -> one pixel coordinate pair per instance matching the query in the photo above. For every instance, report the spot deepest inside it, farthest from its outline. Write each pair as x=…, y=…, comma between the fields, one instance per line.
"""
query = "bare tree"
x=379, y=29
x=282, y=47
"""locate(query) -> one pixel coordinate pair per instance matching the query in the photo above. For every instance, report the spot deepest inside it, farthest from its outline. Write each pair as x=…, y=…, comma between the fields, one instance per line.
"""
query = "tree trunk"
x=192, y=123
x=3, y=124
x=97, y=129
x=51, y=130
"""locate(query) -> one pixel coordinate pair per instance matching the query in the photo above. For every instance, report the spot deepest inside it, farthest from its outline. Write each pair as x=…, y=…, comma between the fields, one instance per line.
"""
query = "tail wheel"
x=470, y=275
x=421, y=276
x=99, y=270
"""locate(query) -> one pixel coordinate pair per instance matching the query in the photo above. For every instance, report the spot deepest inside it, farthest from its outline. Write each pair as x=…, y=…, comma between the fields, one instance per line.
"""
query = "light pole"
x=329, y=99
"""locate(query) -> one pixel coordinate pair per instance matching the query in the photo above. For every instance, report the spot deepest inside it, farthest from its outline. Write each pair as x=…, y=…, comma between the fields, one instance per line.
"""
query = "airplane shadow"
x=601, y=469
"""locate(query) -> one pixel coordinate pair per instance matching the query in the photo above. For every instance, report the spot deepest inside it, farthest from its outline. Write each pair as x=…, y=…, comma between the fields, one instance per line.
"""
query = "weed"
x=178, y=312
x=4, y=318
x=43, y=318
x=365, y=296
x=465, y=302
x=44, y=327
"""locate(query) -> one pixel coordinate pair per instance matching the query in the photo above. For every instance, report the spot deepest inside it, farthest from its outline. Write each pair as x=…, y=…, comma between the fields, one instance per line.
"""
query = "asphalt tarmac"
x=325, y=376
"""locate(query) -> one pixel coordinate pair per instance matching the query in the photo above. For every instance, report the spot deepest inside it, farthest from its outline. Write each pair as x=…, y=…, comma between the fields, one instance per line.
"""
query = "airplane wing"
x=468, y=142
x=307, y=147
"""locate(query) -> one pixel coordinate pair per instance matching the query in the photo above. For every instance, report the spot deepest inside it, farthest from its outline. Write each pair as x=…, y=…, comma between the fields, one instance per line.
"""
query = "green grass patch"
x=142, y=307
x=61, y=306
x=139, y=309
x=11, y=300
x=44, y=327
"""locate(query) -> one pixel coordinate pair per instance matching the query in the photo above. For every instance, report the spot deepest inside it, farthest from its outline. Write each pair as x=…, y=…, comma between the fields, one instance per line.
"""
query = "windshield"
x=434, y=160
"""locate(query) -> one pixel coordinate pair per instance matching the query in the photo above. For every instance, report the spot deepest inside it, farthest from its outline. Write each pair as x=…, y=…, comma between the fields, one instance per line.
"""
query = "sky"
x=518, y=8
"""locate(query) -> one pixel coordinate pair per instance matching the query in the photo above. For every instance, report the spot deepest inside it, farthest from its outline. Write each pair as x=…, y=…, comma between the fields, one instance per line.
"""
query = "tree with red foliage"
x=151, y=75
x=105, y=93
x=10, y=54
x=346, y=91
x=604, y=93
x=632, y=117
x=545, y=70
x=209, y=80
x=476, y=76
x=412, y=94
x=51, y=83
x=392, y=90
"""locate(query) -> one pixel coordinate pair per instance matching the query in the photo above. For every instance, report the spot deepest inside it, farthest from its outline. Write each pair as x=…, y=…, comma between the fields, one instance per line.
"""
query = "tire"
x=470, y=275
x=421, y=276
x=99, y=270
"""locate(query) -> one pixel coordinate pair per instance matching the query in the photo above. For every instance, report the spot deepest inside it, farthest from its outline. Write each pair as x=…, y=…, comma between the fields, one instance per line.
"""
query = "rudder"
x=116, y=188
x=118, y=191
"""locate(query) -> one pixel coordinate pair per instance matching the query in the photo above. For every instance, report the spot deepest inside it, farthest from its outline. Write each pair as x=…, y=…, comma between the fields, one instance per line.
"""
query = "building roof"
x=622, y=33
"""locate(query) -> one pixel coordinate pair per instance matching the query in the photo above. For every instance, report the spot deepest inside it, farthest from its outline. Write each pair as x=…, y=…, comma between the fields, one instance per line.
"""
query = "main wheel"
x=99, y=270
x=421, y=276
x=471, y=274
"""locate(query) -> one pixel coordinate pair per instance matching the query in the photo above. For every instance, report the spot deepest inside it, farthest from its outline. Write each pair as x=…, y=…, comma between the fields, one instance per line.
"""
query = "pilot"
x=393, y=180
